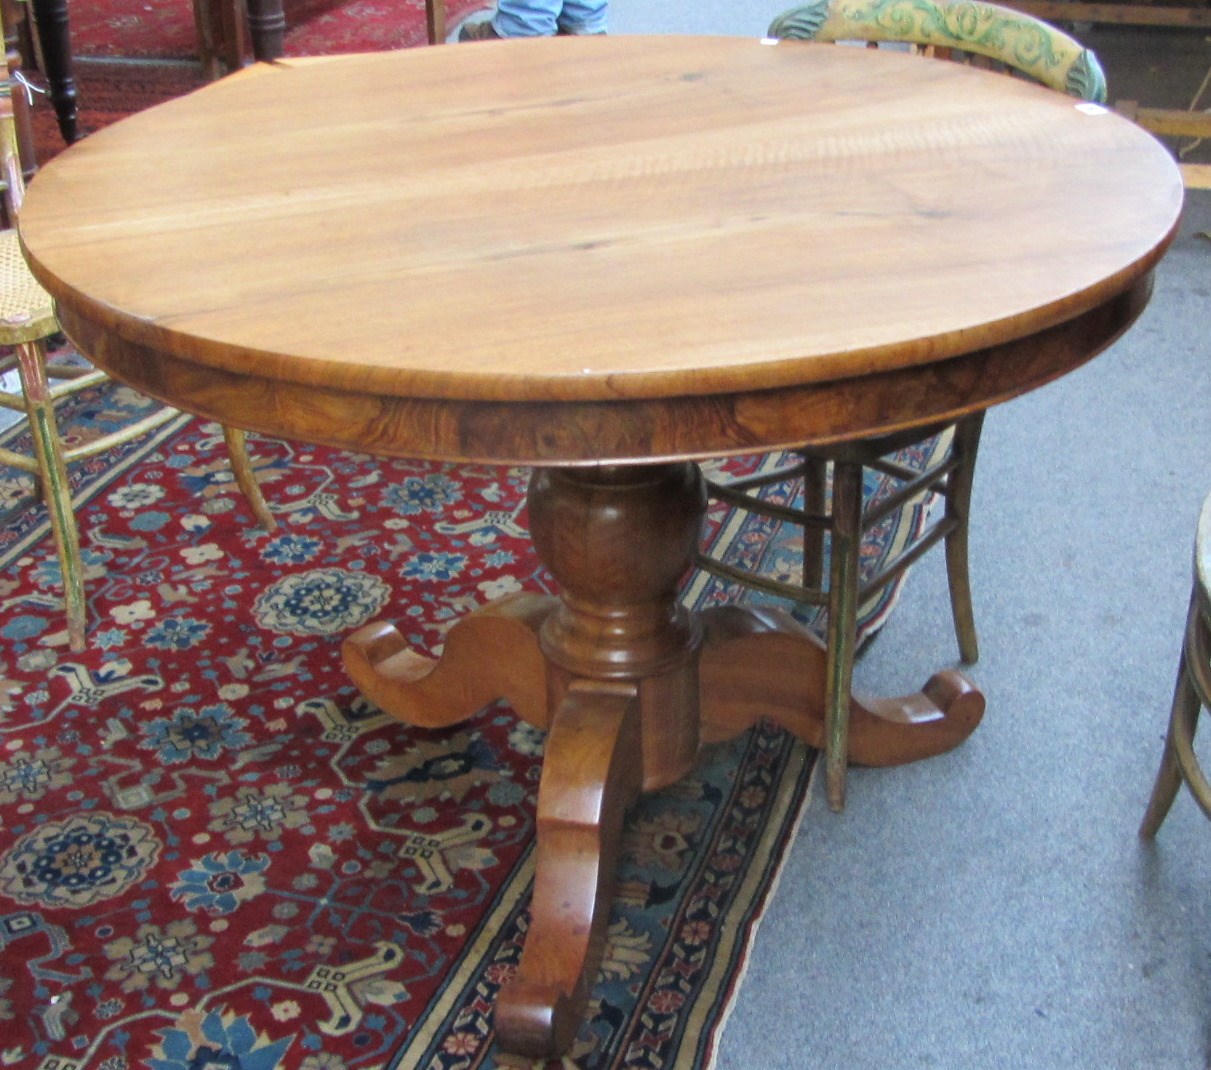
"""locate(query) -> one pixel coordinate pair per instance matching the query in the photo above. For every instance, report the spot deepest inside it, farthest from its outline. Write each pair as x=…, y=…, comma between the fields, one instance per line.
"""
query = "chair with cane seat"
x=959, y=30
x=27, y=320
x=1193, y=691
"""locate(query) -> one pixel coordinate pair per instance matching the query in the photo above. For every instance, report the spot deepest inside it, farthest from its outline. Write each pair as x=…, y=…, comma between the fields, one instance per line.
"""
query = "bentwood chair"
x=228, y=29
x=1193, y=691
x=27, y=320
x=966, y=31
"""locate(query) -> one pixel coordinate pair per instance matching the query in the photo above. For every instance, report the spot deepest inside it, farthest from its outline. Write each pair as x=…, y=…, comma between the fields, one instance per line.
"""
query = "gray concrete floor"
x=9, y=381
x=994, y=907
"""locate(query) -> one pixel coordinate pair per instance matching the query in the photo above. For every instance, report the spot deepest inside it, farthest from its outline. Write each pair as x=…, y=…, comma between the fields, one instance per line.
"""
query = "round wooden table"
x=606, y=257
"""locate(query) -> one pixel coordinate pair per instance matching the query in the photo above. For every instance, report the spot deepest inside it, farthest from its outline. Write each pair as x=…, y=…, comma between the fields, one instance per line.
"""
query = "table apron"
x=626, y=431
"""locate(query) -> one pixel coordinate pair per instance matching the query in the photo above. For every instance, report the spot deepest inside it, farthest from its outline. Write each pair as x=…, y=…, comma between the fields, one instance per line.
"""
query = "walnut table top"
x=433, y=236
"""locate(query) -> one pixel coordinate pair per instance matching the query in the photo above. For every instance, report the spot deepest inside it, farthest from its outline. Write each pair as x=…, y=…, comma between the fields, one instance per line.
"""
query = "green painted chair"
x=27, y=320
x=965, y=31
x=955, y=29
x=1193, y=691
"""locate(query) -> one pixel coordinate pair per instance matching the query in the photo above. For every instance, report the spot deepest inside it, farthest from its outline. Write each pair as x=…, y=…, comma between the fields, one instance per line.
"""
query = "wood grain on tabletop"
x=580, y=250
x=599, y=217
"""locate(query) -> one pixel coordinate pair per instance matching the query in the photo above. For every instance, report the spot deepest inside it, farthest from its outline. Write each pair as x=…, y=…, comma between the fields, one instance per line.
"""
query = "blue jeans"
x=543, y=18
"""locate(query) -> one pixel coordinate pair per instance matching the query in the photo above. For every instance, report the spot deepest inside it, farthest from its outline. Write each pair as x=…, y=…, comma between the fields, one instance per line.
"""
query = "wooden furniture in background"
x=230, y=30
x=1164, y=122
x=1196, y=15
x=1193, y=691
x=957, y=30
x=606, y=257
x=27, y=320
x=223, y=35
x=435, y=21
x=54, y=51
x=1192, y=122
x=36, y=37
x=18, y=44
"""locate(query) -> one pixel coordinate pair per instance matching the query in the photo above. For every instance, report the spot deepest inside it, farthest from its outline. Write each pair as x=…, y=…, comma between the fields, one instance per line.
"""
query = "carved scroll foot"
x=591, y=774
x=759, y=663
x=491, y=654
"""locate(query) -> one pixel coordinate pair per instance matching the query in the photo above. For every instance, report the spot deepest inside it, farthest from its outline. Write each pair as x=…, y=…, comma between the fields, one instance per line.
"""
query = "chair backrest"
x=1011, y=38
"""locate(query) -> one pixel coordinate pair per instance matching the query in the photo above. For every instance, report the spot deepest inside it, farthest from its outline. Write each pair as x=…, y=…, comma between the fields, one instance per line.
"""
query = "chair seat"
x=26, y=310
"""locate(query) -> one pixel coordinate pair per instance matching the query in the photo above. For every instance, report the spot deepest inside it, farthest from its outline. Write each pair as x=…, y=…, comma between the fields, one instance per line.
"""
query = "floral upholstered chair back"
x=1000, y=36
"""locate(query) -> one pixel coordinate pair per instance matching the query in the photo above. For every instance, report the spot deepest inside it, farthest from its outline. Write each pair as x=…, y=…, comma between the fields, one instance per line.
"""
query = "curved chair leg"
x=842, y=625
x=1179, y=763
x=241, y=467
x=958, y=506
x=56, y=490
x=1169, y=777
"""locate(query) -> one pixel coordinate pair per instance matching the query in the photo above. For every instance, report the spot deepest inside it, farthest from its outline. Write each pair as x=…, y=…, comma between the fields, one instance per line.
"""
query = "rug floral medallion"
x=214, y=853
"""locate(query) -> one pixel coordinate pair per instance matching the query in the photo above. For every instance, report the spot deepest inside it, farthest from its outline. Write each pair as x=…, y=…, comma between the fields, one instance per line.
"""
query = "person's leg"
x=526, y=18
x=583, y=16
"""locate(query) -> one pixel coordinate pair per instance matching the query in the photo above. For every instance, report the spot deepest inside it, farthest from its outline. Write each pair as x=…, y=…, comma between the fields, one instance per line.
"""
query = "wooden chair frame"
x=27, y=320
x=1191, y=693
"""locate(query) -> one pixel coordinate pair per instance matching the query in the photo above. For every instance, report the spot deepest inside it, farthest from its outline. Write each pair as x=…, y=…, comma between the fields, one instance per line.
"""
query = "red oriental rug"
x=109, y=91
x=164, y=29
x=213, y=852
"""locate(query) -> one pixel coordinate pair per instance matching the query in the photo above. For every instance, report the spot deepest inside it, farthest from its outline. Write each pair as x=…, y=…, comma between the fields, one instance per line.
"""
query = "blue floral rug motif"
x=215, y=853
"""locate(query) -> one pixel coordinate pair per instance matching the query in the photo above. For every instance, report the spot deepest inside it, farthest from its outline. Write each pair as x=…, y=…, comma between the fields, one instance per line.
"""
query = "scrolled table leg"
x=490, y=654
x=761, y=663
x=590, y=776
x=633, y=688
